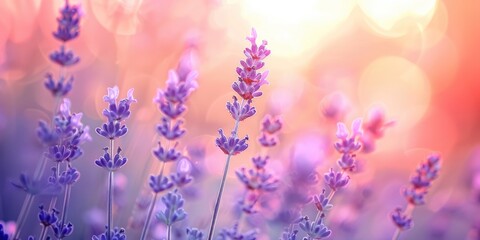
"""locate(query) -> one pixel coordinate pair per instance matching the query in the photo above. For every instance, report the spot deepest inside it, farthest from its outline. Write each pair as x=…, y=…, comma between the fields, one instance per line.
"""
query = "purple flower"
x=27, y=184
x=231, y=145
x=173, y=212
x=115, y=234
x=165, y=155
x=194, y=234
x=120, y=111
x=401, y=220
x=69, y=176
x=112, y=130
x=271, y=125
x=415, y=196
x=159, y=183
x=68, y=23
x=348, y=143
x=45, y=134
x=315, y=230
x=289, y=235
x=249, y=80
x=47, y=219
x=168, y=131
x=60, y=88
x=347, y=162
x=110, y=164
x=234, y=234
x=260, y=162
x=255, y=179
x=62, y=230
x=336, y=180
x=268, y=140
x=177, y=91
x=182, y=177
x=58, y=153
x=64, y=58
x=238, y=112
x=3, y=234
x=321, y=202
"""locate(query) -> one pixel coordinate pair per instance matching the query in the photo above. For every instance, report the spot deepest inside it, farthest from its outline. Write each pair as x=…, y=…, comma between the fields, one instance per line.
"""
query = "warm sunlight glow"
x=396, y=17
x=295, y=27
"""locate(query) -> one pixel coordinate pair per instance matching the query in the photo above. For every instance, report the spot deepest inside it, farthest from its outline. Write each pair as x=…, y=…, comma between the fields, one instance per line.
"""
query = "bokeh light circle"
x=395, y=18
x=399, y=85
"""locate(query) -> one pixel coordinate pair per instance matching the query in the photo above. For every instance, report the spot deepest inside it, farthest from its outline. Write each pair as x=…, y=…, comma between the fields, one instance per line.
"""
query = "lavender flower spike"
x=250, y=79
x=415, y=194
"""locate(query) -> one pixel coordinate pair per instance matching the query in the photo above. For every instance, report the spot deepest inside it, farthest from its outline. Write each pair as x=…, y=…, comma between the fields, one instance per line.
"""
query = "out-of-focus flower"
x=160, y=183
x=62, y=230
x=336, y=180
x=173, y=212
x=315, y=229
x=401, y=220
x=115, y=234
x=194, y=234
x=233, y=234
x=68, y=23
x=64, y=58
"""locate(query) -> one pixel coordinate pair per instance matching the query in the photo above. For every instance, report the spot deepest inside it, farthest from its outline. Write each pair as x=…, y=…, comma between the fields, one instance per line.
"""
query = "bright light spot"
x=294, y=27
x=399, y=85
x=118, y=16
x=396, y=17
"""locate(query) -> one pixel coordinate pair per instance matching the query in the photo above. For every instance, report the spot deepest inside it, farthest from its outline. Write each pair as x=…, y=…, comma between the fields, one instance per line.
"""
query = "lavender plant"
x=116, y=114
x=66, y=133
x=420, y=182
x=248, y=87
x=171, y=102
x=347, y=145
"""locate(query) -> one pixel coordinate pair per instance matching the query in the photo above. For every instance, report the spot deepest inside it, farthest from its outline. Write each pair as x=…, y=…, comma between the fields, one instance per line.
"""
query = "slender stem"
x=66, y=199
x=219, y=199
x=27, y=203
x=329, y=197
x=149, y=216
x=151, y=208
x=396, y=234
x=110, y=196
x=169, y=232
x=222, y=184
x=43, y=233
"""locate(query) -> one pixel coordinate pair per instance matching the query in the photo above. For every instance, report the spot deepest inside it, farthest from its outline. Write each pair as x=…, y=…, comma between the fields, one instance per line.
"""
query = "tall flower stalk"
x=259, y=180
x=348, y=145
x=171, y=102
x=247, y=87
x=415, y=194
x=116, y=114
x=67, y=30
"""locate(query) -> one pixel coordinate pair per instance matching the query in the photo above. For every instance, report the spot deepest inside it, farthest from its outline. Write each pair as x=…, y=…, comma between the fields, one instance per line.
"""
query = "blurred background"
x=418, y=60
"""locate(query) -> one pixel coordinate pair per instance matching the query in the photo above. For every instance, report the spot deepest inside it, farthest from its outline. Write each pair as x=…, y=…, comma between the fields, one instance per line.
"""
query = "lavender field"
x=239, y=119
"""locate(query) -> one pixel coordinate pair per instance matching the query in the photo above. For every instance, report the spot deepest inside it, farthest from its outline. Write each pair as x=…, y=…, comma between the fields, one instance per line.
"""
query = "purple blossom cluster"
x=164, y=207
x=258, y=180
x=420, y=182
x=250, y=79
x=62, y=137
x=116, y=113
x=171, y=102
